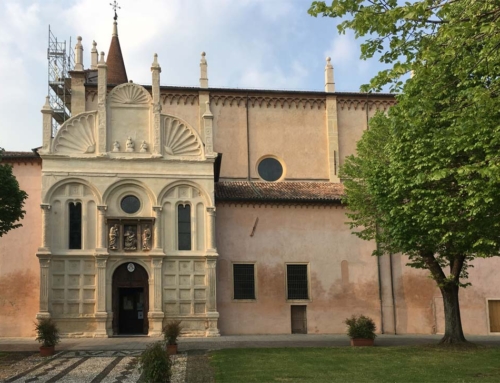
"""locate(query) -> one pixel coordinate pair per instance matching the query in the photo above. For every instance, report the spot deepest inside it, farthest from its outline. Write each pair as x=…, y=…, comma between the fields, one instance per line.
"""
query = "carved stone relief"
x=180, y=140
x=77, y=135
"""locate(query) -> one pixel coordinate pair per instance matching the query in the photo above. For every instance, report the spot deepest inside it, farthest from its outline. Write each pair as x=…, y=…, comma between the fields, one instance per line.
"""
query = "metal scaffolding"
x=61, y=60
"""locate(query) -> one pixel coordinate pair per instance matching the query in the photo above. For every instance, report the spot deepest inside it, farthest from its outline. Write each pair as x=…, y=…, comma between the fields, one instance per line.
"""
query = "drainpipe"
x=380, y=288
x=393, y=297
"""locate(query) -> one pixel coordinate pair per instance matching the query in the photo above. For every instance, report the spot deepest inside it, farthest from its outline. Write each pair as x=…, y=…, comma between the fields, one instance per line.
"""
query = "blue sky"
x=265, y=44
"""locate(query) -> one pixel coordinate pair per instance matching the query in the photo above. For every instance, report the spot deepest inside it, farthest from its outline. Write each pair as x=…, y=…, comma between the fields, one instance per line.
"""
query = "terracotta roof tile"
x=117, y=74
x=19, y=155
x=303, y=191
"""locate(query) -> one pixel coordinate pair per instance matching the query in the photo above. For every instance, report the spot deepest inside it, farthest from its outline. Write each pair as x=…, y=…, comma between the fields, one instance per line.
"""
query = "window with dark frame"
x=297, y=284
x=75, y=225
x=184, y=227
x=244, y=281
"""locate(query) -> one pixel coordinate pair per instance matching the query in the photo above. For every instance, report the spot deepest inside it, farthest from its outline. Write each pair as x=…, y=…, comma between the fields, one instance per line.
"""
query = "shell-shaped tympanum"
x=77, y=136
x=180, y=140
x=129, y=93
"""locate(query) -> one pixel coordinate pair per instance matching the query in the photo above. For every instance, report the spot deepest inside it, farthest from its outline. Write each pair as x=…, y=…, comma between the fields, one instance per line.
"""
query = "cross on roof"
x=115, y=6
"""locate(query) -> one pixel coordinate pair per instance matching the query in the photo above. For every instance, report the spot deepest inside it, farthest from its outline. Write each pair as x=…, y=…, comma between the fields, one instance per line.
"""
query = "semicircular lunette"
x=179, y=139
x=129, y=94
x=77, y=136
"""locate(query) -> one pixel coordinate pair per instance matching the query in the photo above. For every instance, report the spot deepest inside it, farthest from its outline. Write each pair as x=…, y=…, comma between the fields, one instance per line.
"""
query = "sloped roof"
x=117, y=74
x=296, y=191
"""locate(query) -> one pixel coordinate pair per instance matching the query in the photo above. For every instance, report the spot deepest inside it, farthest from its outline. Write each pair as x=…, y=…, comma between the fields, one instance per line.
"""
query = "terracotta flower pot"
x=47, y=351
x=171, y=349
x=361, y=342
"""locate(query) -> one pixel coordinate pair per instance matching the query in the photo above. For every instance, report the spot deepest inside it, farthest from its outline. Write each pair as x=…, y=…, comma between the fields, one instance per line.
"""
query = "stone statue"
x=130, y=144
x=130, y=240
x=113, y=237
x=116, y=146
x=146, y=238
x=144, y=147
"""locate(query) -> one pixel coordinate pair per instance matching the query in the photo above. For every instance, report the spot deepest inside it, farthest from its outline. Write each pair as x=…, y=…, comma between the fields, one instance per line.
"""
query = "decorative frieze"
x=270, y=102
x=178, y=99
x=355, y=103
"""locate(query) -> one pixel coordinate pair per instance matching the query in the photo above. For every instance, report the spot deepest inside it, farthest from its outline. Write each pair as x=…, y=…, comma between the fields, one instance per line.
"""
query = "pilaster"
x=208, y=119
x=101, y=315
x=211, y=245
x=47, y=127
x=44, y=260
x=156, y=70
x=333, y=137
x=101, y=227
x=45, y=227
x=212, y=314
x=102, y=88
x=157, y=239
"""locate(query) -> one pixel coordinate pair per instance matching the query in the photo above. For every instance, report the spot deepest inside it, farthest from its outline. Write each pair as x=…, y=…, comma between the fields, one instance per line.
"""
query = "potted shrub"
x=47, y=334
x=171, y=332
x=361, y=330
x=154, y=364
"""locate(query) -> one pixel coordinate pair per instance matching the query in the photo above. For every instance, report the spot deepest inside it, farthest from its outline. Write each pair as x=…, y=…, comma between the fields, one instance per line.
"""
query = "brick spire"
x=117, y=74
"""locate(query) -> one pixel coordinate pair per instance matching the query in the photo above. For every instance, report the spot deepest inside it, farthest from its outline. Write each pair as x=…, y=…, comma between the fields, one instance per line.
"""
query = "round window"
x=130, y=204
x=270, y=169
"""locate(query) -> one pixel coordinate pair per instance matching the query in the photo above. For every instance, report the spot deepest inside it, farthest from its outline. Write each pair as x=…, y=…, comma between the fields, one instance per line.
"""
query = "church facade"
x=217, y=207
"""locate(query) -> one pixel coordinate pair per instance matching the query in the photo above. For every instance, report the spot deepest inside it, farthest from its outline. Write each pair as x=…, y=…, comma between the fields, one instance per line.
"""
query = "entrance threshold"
x=130, y=336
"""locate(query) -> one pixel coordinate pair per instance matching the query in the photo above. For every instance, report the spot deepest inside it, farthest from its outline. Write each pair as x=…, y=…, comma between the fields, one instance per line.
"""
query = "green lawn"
x=363, y=364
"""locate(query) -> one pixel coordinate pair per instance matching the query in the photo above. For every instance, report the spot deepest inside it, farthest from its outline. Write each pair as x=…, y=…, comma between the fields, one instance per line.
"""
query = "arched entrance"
x=130, y=299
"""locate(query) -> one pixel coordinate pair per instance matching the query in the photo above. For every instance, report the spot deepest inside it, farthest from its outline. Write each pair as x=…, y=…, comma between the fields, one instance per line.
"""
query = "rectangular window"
x=244, y=281
x=184, y=227
x=296, y=279
x=494, y=311
x=75, y=225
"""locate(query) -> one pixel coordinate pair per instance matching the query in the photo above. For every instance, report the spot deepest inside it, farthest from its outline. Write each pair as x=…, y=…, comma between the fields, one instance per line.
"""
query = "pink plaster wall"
x=317, y=236
x=19, y=267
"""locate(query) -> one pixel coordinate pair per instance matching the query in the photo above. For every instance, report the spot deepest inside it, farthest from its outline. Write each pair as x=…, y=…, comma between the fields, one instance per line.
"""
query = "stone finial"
x=155, y=64
x=101, y=60
x=94, y=56
x=208, y=112
x=115, y=28
x=79, y=54
x=203, y=71
x=46, y=106
x=329, y=82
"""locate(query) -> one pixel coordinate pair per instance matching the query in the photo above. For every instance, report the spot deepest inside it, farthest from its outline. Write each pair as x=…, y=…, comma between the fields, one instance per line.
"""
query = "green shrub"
x=171, y=331
x=154, y=364
x=47, y=332
x=360, y=327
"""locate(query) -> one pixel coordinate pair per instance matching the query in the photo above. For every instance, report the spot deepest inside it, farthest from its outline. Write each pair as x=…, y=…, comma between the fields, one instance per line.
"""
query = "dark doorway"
x=299, y=319
x=130, y=300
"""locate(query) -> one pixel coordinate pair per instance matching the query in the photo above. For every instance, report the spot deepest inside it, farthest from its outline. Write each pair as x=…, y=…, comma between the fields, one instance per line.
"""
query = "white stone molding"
x=157, y=243
x=129, y=93
x=102, y=88
x=47, y=126
x=211, y=245
x=77, y=135
x=101, y=233
x=208, y=119
x=181, y=140
x=93, y=56
x=203, y=71
x=329, y=80
x=157, y=284
x=101, y=262
x=269, y=102
x=45, y=226
x=44, y=284
x=79, y=54
x=156, y=70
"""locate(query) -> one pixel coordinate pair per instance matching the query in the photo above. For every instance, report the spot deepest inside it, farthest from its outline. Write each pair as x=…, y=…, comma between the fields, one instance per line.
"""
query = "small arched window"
x=75, y=225
x=184, y=227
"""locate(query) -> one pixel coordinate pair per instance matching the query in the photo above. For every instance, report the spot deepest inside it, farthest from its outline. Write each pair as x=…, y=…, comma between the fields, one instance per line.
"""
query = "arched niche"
x=129, y=115
x=184, y=194
x=71, y=193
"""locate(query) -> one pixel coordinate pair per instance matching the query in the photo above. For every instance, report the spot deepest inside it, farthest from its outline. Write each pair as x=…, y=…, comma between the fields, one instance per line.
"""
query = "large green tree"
x=11, y=199
x=425, y=181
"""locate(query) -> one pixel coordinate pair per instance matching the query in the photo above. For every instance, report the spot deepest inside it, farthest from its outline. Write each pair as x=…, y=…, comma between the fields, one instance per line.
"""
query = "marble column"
x=45, y=226
x=211, y=245
x=101, y=234
x=157, y=244
x=156, y=314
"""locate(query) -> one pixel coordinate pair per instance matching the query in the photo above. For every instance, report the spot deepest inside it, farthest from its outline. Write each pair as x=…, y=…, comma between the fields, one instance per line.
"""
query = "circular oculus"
x=131, y=267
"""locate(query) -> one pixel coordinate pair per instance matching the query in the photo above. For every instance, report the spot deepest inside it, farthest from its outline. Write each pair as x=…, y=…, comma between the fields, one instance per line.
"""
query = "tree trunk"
x=453, y=332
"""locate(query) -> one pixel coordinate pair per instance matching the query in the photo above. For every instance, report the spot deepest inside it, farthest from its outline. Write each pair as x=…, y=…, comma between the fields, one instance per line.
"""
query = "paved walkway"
x=113, y=360
x=230, y=341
